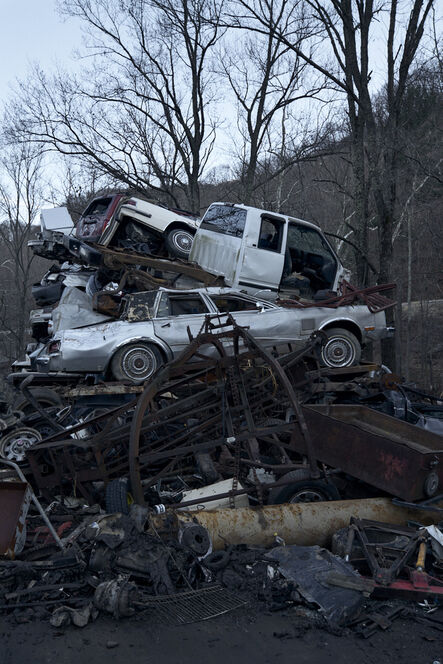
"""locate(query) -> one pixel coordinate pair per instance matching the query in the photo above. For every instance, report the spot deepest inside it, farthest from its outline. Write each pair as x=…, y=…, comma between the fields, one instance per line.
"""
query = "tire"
x=302, y=490
x=178, y=242
x=45, y=398
x=14, y=445
x=136, y=362
x=217, y=560
x=118, y=497
x=342, y=349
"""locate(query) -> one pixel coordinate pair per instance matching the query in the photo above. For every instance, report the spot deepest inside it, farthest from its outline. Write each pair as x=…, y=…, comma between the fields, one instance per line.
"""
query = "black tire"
x=178, y=242
x=342, y=349
x=45, y=398
x=302, y=490
x=117, y=496
x=136, y=362
x=217, y=560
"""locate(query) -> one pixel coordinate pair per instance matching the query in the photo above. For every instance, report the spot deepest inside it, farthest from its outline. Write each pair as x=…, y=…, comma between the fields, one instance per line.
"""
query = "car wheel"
x=136, y=362
x=342, y=349
x=303, y=490
x=14, y=445
x=178, y=242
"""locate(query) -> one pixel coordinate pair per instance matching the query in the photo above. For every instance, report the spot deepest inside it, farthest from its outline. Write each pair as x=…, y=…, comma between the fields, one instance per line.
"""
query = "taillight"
x=112, y=209
x=54, y=347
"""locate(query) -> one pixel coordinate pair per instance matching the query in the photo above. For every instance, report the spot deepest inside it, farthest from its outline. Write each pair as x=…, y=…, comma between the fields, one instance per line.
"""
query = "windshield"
x=225, y=219
x=98, y=206
x=308, y=240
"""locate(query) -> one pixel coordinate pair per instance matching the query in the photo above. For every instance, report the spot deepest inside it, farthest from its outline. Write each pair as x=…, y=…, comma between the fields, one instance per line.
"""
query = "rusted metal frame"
x=173, y=444
x=182, y=406
x=167, y=416
x=113, y=258
x=119, y=410
x=140, y=276
x=143, y=402
x=252, y=441
x=289, y=360
x=293, y=402
x=76, y=480
x=45, y=481
x=384, y=575
x=151, y=457
x=329, y=371
x=161, y=474
x=24, y=388
x=95, y=390
x=370, y=296
x=276, y=467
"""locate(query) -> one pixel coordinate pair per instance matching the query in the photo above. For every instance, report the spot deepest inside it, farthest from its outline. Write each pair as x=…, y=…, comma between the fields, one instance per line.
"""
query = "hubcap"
x=139, y=363
x=338, y=352
x=14, y=446
x=182, y=240
x=307, y=496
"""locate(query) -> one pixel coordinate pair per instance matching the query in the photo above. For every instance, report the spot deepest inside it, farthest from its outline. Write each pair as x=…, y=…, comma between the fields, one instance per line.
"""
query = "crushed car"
x=130, y=222
x=155, y=326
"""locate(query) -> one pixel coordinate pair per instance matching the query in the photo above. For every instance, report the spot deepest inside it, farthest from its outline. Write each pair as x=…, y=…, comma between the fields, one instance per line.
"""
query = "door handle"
x=166, y=325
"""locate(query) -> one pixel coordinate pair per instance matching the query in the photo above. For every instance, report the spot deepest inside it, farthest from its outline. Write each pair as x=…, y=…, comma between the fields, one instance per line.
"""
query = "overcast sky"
x=30, y=31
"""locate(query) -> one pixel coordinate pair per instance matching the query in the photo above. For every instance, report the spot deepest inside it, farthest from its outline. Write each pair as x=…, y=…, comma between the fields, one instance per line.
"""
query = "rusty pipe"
x=305, y=524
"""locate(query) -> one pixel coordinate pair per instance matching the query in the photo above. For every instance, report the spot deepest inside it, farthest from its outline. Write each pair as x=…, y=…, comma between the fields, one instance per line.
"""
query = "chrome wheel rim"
x=182, y=240
x=307, y=496
x=338, y=352
x=14, y=446
x=139, y=363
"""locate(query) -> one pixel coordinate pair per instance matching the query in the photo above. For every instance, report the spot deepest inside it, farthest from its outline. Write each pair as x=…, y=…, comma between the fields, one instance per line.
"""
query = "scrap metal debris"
x=119, y=497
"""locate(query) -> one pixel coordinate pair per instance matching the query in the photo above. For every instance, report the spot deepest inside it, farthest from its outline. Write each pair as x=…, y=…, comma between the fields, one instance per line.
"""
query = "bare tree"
x=140, y=113
x=20, y=200
x=348, y=28
x=267, y=78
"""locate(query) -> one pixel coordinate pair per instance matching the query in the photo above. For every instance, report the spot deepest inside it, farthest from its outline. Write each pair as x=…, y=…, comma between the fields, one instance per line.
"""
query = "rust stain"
x=393, y=466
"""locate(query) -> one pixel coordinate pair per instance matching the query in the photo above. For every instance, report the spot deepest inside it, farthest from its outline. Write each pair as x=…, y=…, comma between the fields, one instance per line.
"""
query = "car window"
x=226, y=304
x=181, y=305
x=139, y=306
x=271, y=233
x=308, y=240
x=225, y=219
x=98, y=207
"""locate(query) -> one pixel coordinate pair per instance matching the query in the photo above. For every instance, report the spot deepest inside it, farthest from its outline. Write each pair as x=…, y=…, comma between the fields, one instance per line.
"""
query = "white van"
x=266, y=253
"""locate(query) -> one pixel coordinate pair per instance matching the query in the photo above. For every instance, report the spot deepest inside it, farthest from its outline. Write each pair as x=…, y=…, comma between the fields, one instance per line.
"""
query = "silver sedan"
x=153, y=329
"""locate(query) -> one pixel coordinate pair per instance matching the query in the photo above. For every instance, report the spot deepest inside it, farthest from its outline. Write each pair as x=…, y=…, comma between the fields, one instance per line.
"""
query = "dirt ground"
x=242, y=636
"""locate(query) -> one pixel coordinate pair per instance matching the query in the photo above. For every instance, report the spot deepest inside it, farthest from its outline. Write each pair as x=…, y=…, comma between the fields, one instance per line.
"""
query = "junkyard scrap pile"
x=176, y=453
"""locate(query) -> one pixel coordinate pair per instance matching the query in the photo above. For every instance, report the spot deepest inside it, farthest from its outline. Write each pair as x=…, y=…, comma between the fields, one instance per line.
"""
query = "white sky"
x=32, y=31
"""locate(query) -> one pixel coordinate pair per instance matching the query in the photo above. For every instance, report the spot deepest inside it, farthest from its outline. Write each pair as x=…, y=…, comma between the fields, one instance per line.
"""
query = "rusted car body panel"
x=394, y=456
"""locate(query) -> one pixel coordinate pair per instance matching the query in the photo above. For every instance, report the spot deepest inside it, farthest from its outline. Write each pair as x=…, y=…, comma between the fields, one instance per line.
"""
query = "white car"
x=134, y=223
x=153, y=329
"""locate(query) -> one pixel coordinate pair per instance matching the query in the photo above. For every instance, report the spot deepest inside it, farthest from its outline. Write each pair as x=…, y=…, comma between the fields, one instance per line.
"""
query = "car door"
x=176, y=313
x=269, y=324
x=264, y=255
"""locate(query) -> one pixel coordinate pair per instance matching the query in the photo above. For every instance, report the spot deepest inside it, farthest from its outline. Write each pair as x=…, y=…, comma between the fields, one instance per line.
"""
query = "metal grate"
x=192, y=605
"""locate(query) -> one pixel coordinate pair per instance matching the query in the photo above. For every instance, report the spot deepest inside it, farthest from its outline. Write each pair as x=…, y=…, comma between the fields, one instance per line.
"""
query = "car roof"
x=211, y=290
